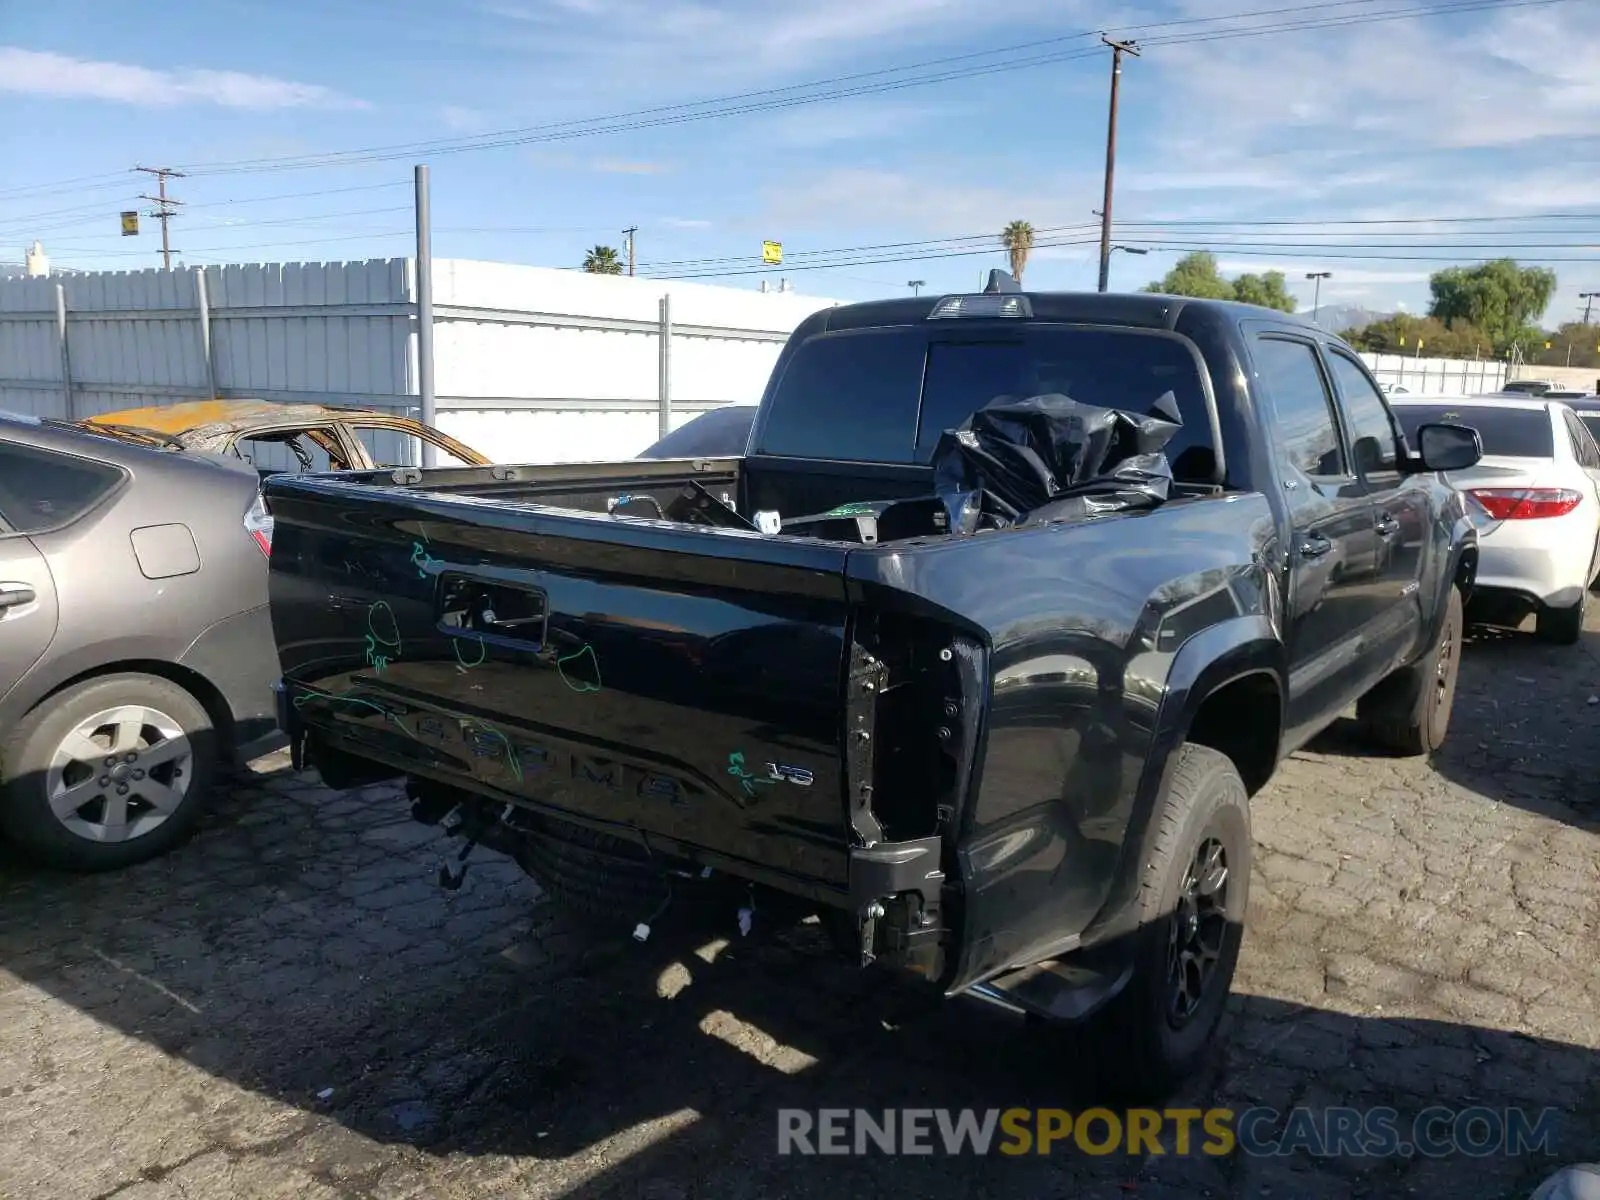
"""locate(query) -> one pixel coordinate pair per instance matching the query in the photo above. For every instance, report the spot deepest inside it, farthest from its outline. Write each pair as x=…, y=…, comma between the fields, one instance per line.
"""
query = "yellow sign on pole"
x=772, y=253
x=130, y=224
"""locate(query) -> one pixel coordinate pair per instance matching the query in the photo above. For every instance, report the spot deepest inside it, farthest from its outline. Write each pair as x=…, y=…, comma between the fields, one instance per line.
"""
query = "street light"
x=916, y=286
x=1125, y=250
x=1316, y=294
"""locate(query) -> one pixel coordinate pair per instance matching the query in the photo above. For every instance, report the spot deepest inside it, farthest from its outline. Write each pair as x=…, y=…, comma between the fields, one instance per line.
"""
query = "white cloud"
x=620, y=166
x=41, y=73
x=459, y=119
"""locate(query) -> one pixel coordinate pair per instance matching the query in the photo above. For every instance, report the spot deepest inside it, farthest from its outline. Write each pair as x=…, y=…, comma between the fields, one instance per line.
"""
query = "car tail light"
x=1526, y=504
x=258, y=524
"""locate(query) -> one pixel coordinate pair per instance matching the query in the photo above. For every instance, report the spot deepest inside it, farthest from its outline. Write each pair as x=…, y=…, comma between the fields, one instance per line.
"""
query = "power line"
x=1148, y=233
x=879, y=81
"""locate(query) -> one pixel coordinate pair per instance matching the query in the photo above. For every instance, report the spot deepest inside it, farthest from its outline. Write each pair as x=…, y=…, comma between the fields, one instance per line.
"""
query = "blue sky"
x=1491, y=113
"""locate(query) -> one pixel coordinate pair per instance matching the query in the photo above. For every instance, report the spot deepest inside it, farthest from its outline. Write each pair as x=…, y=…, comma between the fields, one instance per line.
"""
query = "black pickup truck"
x=1015, y=760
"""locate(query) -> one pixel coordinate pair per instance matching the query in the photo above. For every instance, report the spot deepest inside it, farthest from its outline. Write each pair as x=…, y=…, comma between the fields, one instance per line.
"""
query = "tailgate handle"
x=15, y=595
x=506, y=611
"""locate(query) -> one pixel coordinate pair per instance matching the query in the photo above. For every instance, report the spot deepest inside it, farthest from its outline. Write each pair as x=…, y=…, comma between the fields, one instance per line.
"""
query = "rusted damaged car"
x=319, y=437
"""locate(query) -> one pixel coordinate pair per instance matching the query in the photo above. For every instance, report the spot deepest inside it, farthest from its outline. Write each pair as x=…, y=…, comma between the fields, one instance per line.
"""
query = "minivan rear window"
x=886, y=395
x=1506, y=432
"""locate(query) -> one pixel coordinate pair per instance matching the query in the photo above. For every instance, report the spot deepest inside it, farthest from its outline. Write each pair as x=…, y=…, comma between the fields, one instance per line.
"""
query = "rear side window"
x=40, y=489
x=850, y=395
x=1108, y=368
x=1506, y=432
x=1592, y=421
x=887, y=395
x=1303, y=425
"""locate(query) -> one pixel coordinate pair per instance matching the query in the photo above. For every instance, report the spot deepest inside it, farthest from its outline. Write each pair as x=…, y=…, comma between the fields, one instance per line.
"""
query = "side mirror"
x=1448, y=447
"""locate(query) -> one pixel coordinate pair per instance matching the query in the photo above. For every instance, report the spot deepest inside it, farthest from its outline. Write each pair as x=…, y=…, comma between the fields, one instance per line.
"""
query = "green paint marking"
x=461, y=663
x=747, y=779
x=383, y=644
x=579, y=684
x=849, y=510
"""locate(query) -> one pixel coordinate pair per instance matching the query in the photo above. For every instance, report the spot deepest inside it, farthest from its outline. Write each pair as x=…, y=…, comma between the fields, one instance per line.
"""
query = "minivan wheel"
x=107, y=773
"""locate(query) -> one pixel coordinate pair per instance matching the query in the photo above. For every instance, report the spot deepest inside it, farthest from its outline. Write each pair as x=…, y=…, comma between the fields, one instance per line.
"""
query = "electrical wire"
x=880, y=81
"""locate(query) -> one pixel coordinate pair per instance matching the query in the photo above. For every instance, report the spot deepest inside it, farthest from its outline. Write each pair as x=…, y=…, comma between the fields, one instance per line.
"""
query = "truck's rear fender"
x=1080, y=625
x=1225, y=689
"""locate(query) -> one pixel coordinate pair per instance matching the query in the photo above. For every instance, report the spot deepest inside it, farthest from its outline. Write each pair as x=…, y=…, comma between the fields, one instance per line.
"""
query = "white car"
x=1540, y=479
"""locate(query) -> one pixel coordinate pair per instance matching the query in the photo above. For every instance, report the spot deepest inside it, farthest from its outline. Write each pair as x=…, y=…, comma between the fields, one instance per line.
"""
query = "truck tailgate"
x=678, y=681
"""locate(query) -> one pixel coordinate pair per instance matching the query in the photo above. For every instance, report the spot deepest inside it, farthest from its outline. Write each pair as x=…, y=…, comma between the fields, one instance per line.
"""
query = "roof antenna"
x=1001, y=281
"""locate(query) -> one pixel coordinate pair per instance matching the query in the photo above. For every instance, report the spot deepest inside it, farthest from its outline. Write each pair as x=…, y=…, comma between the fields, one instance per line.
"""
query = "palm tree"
x=1017, y=238
x=602, y=260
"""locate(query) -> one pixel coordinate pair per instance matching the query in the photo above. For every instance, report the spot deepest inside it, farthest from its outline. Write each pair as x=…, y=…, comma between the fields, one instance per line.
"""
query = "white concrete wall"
x=532, y=364
x=552, y=392
x=1437, y=376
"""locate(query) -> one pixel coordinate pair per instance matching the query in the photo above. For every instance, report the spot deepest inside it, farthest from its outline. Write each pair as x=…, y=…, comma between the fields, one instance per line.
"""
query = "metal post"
x=203, y=304
x=1117, y=50
x=66, y=356
x=664, y=377
x=425, y=395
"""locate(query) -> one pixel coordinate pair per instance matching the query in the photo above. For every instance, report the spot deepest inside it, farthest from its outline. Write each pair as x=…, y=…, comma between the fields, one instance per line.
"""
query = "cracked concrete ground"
x=289, y=1006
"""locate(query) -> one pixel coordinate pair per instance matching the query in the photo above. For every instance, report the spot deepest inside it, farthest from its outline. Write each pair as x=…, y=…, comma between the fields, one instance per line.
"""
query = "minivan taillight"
x=258, y=524
x=1527, y=504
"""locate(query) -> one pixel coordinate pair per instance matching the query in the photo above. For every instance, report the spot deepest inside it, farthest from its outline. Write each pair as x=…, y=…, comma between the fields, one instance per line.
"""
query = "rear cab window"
x=1506, y=432
x=887, y=394
x=41, y=490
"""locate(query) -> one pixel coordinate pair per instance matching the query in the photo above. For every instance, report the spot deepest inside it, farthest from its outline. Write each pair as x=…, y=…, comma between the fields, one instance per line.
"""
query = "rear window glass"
x=887, y=395
x=1506, y=432
x=41, y=490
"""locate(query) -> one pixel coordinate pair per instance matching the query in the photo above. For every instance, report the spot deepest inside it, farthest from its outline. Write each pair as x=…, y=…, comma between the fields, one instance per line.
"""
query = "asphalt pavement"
x=290, y=1006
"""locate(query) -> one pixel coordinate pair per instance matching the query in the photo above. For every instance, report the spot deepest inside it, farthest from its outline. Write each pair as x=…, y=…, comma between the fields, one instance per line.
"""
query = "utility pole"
x=1118, y=49
x=1588, y=303
x=628, y=233
x=1316, y=293
x=916, y=286
x=164, y=211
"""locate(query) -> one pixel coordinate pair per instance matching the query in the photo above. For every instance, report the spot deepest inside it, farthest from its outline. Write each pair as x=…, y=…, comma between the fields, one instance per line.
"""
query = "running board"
x=1063, y=990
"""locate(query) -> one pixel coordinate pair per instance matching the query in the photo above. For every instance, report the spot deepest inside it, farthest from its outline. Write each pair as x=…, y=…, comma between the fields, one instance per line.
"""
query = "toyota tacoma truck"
x=1012, y=755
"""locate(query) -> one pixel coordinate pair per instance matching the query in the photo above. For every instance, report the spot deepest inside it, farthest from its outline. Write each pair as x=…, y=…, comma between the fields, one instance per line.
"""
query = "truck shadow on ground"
x=1542, y=756
x=529, y=1040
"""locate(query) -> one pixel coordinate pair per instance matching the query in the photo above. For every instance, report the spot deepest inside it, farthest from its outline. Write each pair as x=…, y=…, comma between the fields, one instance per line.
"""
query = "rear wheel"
x=1409, y=712
x=108, y=773
x=1191, y=922
x=1561, y=626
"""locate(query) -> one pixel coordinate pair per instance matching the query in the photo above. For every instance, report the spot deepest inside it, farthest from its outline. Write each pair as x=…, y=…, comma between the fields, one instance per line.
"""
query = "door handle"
x=1314, y=546
x=1388, y=524
x=15, y=595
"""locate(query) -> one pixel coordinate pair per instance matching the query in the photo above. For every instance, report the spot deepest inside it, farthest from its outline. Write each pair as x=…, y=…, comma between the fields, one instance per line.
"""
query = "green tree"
x=602, y=260
x=1194, y=275
x=1269, y=291
x=1499, y=297
x=1402, y=333
x=1574, y=344
x=1017, y=238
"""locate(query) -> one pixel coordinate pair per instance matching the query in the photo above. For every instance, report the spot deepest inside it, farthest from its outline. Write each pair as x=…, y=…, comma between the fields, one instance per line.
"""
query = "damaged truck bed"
x=977, y=652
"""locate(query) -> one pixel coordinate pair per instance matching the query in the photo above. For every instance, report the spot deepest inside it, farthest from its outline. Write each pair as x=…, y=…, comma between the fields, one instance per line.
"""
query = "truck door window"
x=1304, y=427
x=1374, y=441
x=849, y=395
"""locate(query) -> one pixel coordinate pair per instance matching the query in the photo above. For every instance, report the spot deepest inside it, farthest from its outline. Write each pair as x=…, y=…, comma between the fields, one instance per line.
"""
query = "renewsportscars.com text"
x=1436, y=1132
